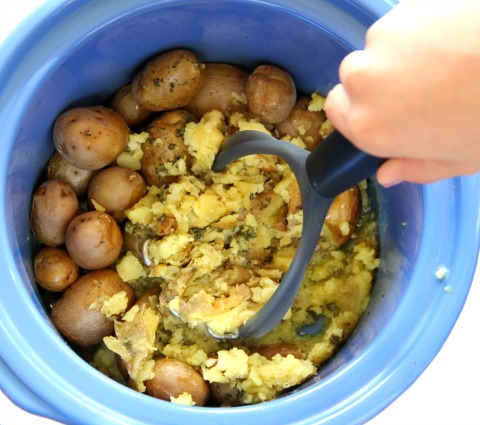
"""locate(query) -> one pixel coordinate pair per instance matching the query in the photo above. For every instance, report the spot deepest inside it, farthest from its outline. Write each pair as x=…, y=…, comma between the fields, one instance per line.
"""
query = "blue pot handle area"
x=16, y=390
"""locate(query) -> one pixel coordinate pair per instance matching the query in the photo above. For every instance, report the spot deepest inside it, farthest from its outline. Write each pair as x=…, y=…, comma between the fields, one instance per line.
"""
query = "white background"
x=447, y=393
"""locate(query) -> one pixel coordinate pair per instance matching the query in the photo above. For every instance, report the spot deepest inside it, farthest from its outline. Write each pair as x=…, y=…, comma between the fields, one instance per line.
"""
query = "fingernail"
x=387, y=184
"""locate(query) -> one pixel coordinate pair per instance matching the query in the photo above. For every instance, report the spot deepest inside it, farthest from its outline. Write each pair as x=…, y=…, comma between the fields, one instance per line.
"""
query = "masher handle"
x=336, y=165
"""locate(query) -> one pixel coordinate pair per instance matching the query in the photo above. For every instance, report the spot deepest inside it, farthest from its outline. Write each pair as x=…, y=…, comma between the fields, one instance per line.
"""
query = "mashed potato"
x=230, y=238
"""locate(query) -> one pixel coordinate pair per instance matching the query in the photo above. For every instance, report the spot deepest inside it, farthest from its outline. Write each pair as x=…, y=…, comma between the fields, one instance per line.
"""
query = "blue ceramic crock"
x=77, y=52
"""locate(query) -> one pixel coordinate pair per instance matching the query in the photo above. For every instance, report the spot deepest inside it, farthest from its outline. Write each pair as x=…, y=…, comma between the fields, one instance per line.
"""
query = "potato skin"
x=90, y=138
x=125, y=104
x=303, y=123
x=346, y=207
x=282, y=348
x=270, y=209
x=168, y=81
x=59, y=168
x=134, y=237
x=223, y=395
x=116, y=189
x=54, y=269
x=222, y=83
x=93, y=240
x=54, y=205
x=75, y=314
x=165, y=144
x=173, y=377
x=271, y=93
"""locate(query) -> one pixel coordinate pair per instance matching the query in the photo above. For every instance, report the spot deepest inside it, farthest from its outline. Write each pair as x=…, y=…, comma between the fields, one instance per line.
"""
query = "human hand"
x=413, y=93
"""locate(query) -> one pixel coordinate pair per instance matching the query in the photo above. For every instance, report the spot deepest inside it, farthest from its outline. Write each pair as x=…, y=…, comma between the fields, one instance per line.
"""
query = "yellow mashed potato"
x=233, y=238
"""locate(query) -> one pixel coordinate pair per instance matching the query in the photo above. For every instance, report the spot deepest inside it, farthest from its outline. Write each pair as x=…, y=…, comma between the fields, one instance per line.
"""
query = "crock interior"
x=86, y=50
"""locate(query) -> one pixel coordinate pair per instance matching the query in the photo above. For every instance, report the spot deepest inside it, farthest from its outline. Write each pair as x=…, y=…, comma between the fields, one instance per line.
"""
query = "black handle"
x=336, y=165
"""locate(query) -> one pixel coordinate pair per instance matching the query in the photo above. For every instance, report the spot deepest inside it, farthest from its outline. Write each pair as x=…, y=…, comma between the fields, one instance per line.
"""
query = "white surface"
x=445, y=394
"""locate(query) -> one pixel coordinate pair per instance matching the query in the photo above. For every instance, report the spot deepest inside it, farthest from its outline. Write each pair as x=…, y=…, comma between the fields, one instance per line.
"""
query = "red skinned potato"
x=168, y=81
x=223, y=89
x=54, y=205
x=303, y=123
x=116, y=189
x=343, y=215
x=271, y=93
x=90, y=138
x=134, y=237
x=222, y=394
x=125, y=104
x=59, y=168
x=165, y=145
x=54, y=269
x=77, y=314
x=94, y=240
x=173, y=377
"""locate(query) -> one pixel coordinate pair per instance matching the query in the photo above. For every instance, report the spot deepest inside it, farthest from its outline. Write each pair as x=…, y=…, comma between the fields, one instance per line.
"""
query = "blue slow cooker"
x=76, y=53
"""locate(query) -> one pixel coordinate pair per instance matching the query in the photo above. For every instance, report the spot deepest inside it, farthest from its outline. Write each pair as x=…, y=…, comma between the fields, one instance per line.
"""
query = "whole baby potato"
x=93, y=240
x=54, y=269
x=125, y=104
x=77, y=314
x=116, y=189
x=165, y=145
x=168, y=81
x=54, y=205
x=173, y=377
x=59, y=168
x=90, y=138
x=271, y=93
x=303, y=123
x=224, y=89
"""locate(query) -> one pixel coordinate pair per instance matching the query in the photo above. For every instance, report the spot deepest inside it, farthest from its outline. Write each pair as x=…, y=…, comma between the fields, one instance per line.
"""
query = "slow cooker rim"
x=17, y=279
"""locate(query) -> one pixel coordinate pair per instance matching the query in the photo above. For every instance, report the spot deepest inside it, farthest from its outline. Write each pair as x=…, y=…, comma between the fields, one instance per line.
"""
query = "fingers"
x=399, y=170
x=337, y=107
x=354, y=72
x=343, y=104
